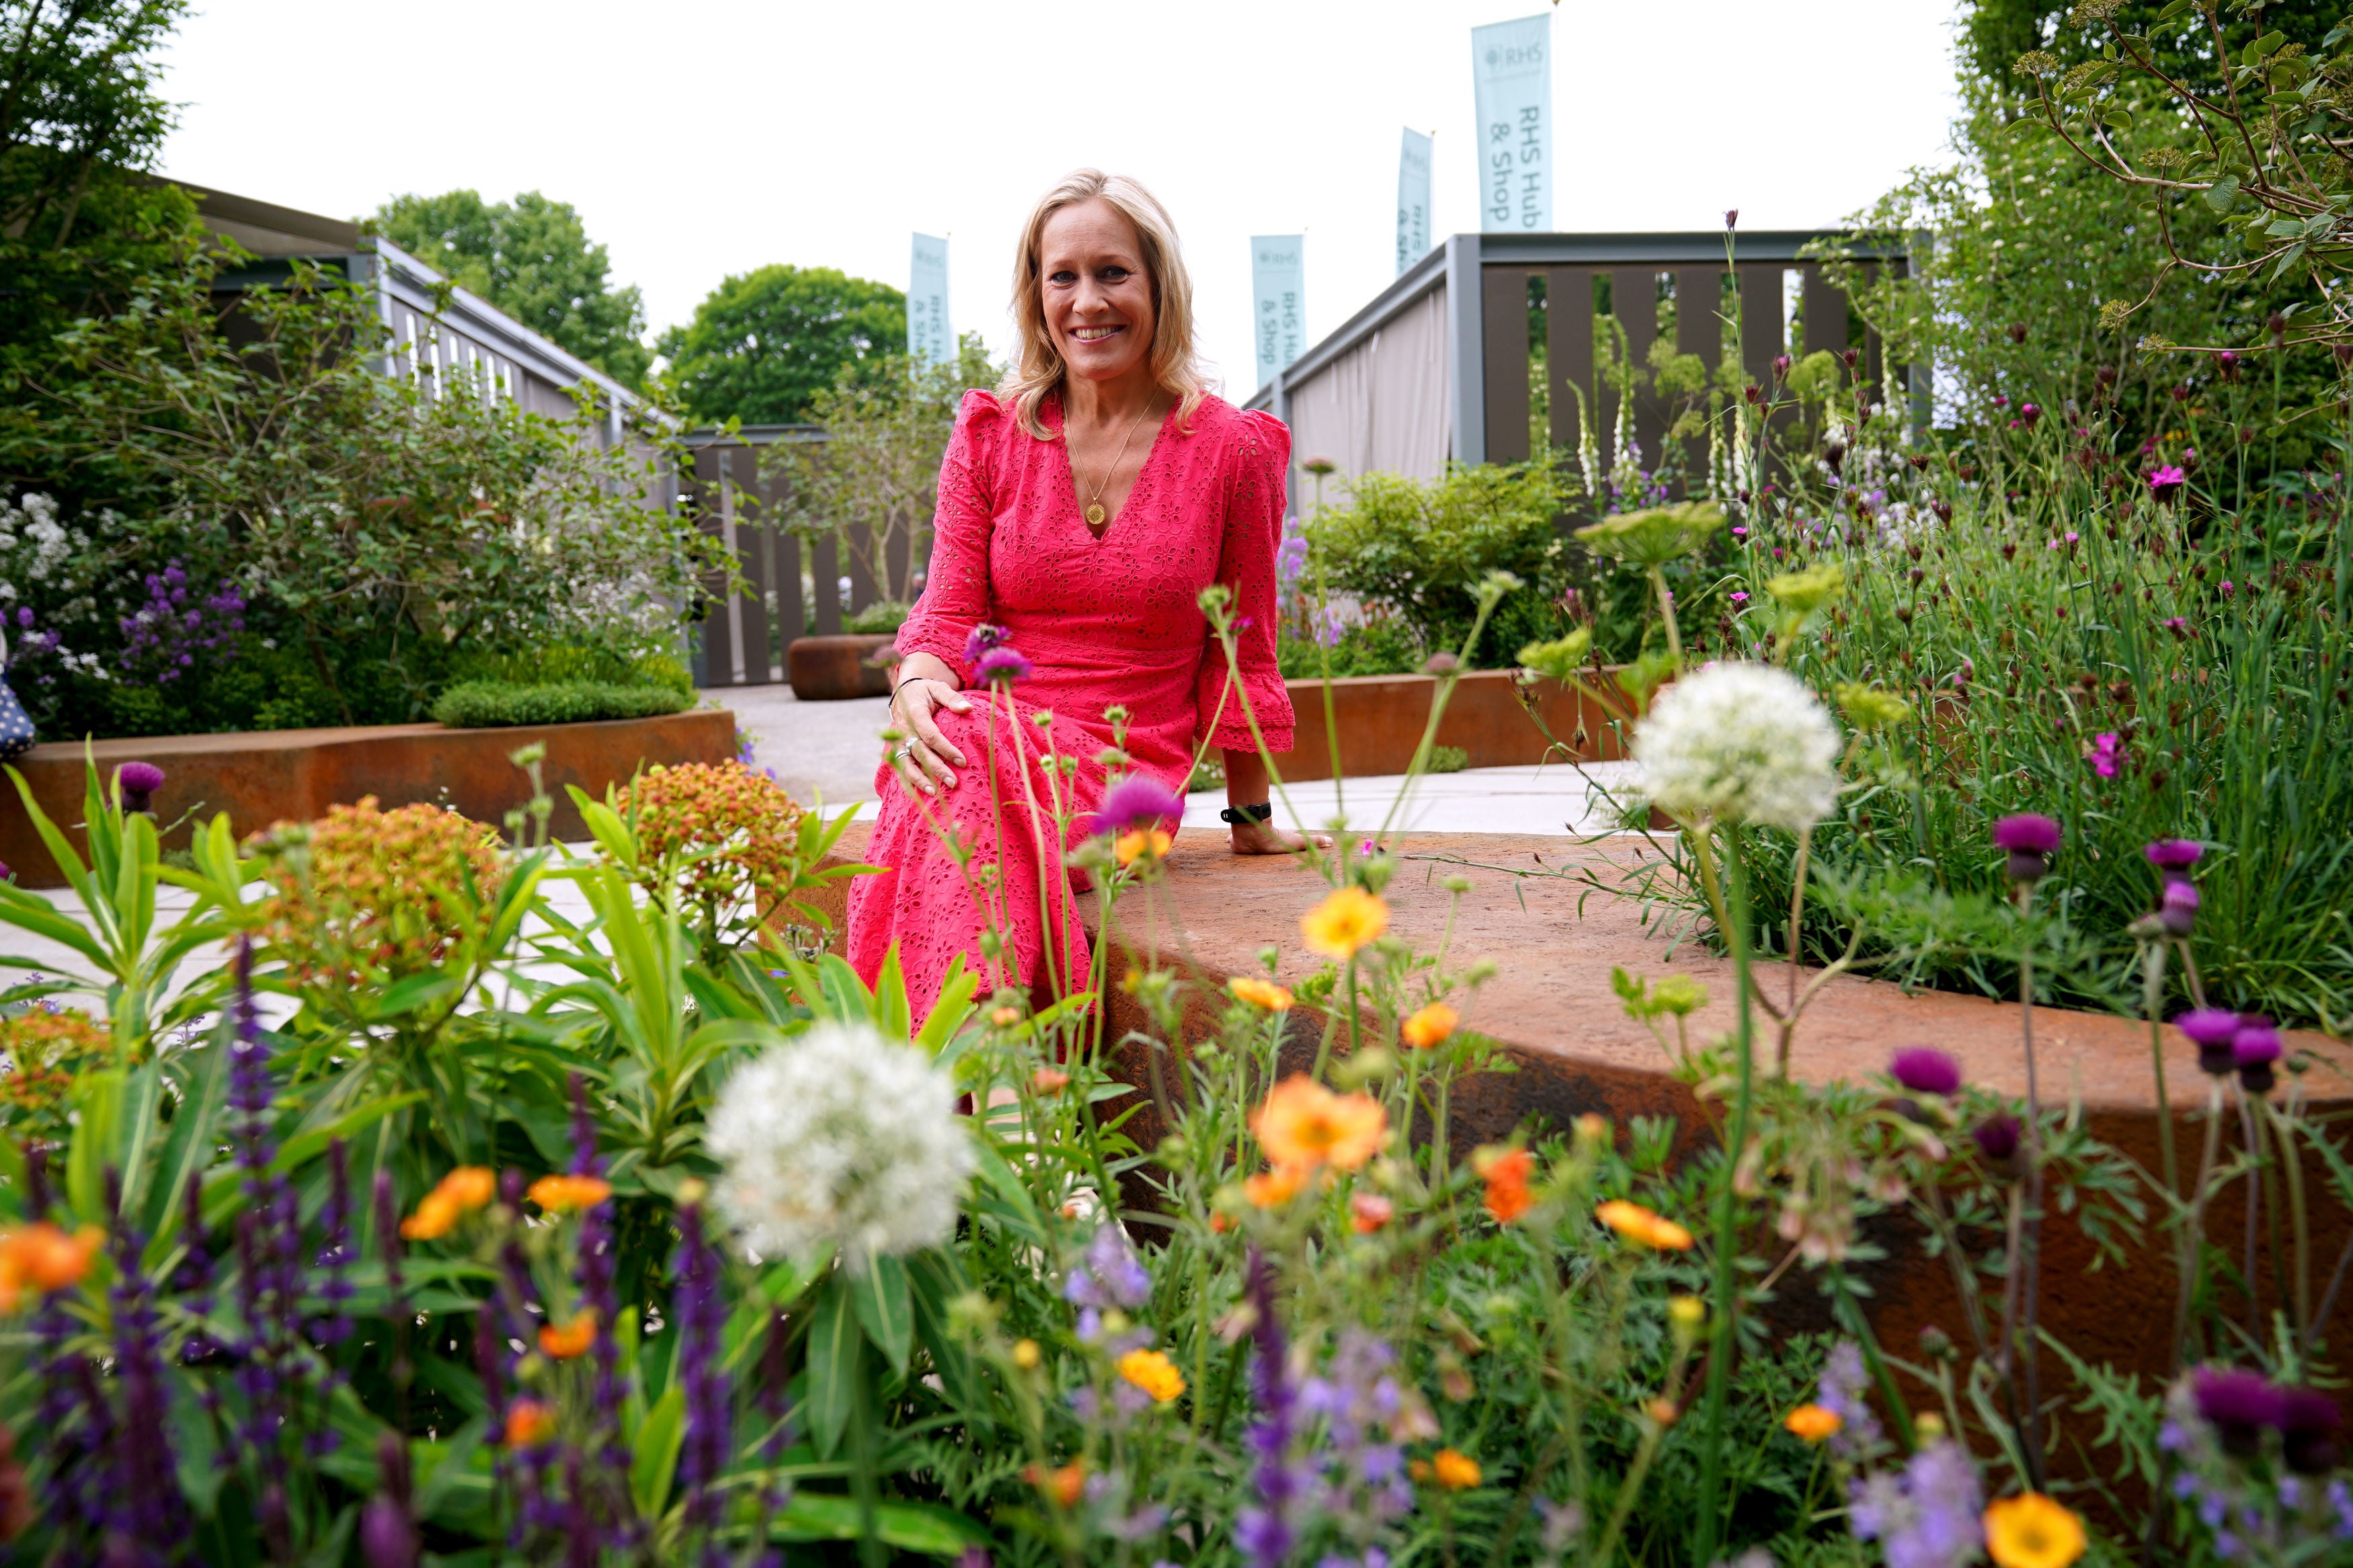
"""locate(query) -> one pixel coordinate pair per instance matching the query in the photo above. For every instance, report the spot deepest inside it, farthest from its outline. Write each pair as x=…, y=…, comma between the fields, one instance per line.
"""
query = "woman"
x=1082, y=507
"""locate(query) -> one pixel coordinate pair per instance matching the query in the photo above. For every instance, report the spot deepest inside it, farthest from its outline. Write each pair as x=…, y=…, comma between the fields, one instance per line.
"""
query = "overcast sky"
x=717, y=136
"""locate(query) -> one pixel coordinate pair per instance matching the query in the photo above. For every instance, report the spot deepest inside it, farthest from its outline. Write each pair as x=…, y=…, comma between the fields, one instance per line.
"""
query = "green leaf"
x=2223, y=193
x=933, y=1280
x=2177, y=8
x=98, y=1107
x=923, y=1528
x=883, y=1310
x=456, y=1457
x=833, y=1366
x=2288, y=258
x=655, y=1462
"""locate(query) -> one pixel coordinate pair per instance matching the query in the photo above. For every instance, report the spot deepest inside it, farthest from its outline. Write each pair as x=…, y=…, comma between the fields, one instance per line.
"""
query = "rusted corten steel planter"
x=1552, y=1008
x=1381, y=717
x=274, y=775
x=828, y=668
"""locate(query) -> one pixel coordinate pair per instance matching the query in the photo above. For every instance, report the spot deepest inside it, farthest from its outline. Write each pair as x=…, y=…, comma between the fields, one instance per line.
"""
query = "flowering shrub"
x=46, y=1047
x=726, y=842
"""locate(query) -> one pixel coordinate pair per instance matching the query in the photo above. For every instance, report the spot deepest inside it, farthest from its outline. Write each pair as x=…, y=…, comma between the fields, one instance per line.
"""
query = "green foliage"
x=532, y=258
x=1381, y=645
x=765, y=345
x=1421, y=548
x=881, y=615
x=488, y=704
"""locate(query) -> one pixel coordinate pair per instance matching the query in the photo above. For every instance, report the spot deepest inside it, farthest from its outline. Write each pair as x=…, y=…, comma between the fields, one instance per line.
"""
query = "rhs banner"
x=1510, y=70
x=928, y=337
x=1279, y=284
x=1413, y=199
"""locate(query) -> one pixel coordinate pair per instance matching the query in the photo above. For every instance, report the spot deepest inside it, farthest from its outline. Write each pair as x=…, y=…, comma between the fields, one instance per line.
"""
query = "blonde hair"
x=1038, y=366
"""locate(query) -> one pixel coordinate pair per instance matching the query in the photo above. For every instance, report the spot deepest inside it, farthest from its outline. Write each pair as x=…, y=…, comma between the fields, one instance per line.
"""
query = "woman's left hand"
x=1266, y=838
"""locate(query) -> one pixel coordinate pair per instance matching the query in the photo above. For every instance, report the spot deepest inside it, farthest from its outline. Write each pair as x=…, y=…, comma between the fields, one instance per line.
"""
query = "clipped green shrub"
x=496, y=704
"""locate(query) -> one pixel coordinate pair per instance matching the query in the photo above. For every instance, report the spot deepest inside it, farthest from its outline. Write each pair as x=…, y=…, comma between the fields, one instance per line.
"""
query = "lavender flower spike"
x=1265, y=1531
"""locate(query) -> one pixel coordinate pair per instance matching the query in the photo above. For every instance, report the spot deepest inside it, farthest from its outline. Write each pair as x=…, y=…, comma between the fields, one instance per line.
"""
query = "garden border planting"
x=1381, y=719
x=275, y=776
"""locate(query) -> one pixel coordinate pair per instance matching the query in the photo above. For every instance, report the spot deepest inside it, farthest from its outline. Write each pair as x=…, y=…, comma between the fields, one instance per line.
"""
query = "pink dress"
x=1106, y=622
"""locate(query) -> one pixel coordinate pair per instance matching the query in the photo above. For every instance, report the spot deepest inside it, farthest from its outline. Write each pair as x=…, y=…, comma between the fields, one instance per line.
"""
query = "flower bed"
x=294, y=775
x=1381, y=718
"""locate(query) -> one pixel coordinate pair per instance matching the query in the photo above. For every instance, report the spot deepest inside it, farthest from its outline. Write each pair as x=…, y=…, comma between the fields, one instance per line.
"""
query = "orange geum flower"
x=1305, y=1124
x=1153, y=1373
x=1370, y=1212
x=1348, y=920
x=463, y=1189
x=1432, y=1025
x=1813, y=1423
x=1506, y=1173
x=1272, y=1189
x=562, y=1195
x=43, y=1258
x=2030, y=1530
x=1142, y=844
x=1050, y=1080
x=570, y=1340
x=1261, y=992
x=528, y=1424
x=1066, y=1484
x=1455, y=1471
x=1642, y=1226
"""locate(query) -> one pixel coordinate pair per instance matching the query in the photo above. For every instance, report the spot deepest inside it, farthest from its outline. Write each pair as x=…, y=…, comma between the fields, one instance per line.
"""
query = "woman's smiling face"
x=1098, y=296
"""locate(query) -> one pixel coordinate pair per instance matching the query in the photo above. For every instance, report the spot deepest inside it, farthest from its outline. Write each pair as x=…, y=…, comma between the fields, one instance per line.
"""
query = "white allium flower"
x=1739, y=742
x=842, y=1137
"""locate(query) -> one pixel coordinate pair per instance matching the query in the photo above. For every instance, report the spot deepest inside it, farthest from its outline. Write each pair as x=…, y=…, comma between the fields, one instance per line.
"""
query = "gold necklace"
x=1095, y=507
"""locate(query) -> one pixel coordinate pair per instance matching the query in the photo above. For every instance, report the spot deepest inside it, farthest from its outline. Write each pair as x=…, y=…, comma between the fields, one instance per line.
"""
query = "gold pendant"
x=1095, y=514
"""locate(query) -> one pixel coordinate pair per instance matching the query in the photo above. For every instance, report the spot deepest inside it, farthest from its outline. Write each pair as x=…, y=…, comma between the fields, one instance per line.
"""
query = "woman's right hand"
x=925, y=758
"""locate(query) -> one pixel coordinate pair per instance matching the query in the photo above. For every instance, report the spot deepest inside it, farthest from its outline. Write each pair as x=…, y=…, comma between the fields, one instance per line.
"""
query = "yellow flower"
x=571, y=1339
x=44, y=1259
x=528, y=1424
x=1431, y=1026
x=1027, y=1355
x=1153, y=1373
x=1261, y=994
x=1305, y=1125
x=1812, y=1423
x=1663, y=1411
x=1643, y=1228
x=1349, y=919
x=561, y=1194
x=2030, y=1531
x=1272, y=1189
x=1455, y=1472
x=1687, y=1311
x=1155, y=843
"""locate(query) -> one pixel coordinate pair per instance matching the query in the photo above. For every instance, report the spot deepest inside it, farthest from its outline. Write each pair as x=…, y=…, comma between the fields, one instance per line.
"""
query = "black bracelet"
x=1248, y=815
x=906, y=683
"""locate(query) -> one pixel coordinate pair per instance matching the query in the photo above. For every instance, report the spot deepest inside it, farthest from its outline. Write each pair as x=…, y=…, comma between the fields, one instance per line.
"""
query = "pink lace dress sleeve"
x=955, y=595
x=1260, y=463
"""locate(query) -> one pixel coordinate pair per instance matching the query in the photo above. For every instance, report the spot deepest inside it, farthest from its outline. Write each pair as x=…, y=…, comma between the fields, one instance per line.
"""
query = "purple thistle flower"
x=136, y=782
x=2253, y=1049
x=2238, y=1405
x=2308, y=1424
x=2030, y=839
x=1924, y=1069
x=980, y=639
x=1997, y=1138
x=2173, y=856
x=1003, y=665
x=2177, y=906
x=1138, y=803
x=2211, y=1030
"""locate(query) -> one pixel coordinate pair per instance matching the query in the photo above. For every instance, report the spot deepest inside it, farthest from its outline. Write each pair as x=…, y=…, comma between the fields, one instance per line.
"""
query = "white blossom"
x=840, y=1137
x=1739, y=742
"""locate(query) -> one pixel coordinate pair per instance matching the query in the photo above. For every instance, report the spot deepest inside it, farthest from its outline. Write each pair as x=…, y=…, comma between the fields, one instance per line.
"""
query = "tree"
x=765, y=344
x=874, y=482
x=532, y=258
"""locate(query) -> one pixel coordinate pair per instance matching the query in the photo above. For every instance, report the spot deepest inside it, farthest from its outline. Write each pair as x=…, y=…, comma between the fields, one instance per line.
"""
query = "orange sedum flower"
x=1643, y=1227
x=1457, y=1472
x=43, y=1259
x=1432, y=1025
x=2030, y=1530
x=571, y=1339
x=1305, y=1124
x=1506, y=1173
x=1813, y=1423
x=1348, y=920
x=562, y=1195
x=1153, y=1373
x=1261, y=992
x=528, y=1424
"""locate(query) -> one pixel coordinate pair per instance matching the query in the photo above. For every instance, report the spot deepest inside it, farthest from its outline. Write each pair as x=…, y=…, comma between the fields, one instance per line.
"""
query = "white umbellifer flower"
x=839, y=1136
x=1739, y=742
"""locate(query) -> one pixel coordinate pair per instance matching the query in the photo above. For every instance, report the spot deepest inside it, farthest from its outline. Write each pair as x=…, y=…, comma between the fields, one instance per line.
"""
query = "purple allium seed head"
x=1924, y=1069
x=1139, y=802
x=2174, y=854
x=2177, y=906
x=2238, y=1405
x=1003, y=664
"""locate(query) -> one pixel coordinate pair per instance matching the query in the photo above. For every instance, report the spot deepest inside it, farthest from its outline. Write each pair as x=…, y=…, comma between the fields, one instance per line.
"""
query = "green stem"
x=1727, y=1262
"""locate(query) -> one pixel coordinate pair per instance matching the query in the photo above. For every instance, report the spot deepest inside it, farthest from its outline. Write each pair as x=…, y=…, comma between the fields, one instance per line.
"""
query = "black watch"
x=1240, y=816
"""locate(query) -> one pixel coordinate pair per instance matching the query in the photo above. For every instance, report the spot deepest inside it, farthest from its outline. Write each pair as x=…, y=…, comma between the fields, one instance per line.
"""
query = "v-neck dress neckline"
x=1060, y=425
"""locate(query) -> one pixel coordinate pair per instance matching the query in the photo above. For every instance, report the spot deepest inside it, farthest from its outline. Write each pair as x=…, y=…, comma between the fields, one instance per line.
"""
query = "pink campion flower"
x=2178, y=626
x=2104, y=747
x=2030, y=412
x=1739, y=597
x=2163, y=482
x=2228, y=588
